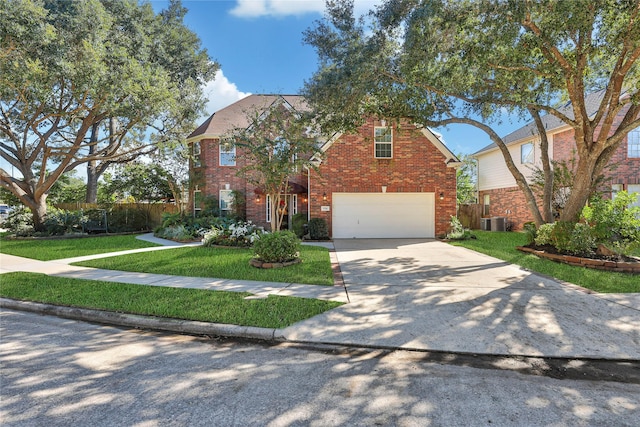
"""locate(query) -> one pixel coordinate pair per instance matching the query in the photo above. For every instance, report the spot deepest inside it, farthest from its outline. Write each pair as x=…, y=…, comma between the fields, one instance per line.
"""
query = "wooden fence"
x=153, y=211
x=469, y=215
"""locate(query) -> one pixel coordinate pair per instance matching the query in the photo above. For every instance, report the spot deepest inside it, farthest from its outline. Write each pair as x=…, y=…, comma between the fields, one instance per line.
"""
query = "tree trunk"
x=581, y=190
x=38, y=212
x=92, y=168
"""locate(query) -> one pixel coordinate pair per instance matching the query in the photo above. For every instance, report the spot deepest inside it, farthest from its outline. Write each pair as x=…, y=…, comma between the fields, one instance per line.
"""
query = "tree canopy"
x=66, y=67
x=446, y=62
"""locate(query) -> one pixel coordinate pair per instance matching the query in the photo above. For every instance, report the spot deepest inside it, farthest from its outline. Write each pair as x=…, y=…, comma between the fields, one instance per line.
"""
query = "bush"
x=59, y=222
x=458, y=232
x=615, y=224
x=178, y=233
x=19, y=221
x=241, y=233
x=318, y=229
x=280, y=246
x=297, y=223
x=561, y=235
x=530, y=231
x=583, y=240
x=543, y=235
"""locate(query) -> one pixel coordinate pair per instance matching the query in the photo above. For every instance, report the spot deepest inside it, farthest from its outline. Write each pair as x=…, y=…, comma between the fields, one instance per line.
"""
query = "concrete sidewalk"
x=422, y=295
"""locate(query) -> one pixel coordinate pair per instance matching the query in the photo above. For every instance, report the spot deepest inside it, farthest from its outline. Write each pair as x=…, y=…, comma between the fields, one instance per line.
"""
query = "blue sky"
x=259, y=46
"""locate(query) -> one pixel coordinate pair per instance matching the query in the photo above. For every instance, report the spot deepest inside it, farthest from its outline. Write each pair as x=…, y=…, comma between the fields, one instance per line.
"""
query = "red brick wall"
x=623, y=170
x=417, y=166
x=211, y=178
x=509, y=203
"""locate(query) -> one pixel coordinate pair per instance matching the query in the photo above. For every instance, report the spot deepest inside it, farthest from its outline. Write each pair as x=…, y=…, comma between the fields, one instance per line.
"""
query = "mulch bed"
x=600, y=262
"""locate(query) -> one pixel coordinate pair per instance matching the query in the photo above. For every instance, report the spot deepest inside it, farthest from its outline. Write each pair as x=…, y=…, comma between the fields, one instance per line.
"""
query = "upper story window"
x=383, y=140
x=227, y=153
x=196, y=155
x=633, y=143
x=526, y=153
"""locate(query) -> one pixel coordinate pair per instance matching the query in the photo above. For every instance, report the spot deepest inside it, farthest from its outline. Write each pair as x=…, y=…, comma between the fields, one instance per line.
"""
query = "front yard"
x=502, y=245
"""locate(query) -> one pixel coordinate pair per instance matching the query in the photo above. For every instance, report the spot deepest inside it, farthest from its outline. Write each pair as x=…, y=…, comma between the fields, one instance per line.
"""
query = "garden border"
x=598, y=264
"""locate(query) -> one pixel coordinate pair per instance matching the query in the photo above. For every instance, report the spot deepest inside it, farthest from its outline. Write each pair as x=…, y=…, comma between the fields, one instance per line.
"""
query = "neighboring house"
x=386, y=180
x=498, y=192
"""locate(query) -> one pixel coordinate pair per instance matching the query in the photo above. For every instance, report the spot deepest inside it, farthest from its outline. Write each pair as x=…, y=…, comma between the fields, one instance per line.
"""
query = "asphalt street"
x=60, y=372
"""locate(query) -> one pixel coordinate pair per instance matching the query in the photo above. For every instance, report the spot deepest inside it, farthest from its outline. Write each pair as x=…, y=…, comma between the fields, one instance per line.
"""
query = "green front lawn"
x=48, y=249
x=188, y=304
x=502, y=245
x=224, y=263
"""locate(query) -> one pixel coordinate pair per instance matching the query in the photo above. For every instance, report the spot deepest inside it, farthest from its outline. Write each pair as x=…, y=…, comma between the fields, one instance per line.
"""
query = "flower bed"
x=627, y=266
x=262, y=264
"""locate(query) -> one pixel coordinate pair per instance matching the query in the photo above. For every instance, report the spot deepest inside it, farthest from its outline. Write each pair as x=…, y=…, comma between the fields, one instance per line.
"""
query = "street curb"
x=146, y=322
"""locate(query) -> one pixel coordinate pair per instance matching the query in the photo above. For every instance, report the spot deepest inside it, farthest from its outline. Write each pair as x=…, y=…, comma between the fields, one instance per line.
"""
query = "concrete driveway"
x=428, y=295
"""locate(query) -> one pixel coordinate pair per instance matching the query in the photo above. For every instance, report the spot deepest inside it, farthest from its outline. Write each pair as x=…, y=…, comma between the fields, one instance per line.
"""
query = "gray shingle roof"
x=592, y=103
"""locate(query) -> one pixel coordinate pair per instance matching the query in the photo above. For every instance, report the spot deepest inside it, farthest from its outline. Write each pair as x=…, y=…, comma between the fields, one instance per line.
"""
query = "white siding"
x=493, y=172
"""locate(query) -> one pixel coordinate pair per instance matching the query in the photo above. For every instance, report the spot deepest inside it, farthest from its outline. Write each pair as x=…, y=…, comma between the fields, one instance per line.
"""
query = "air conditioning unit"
x=485, y=224
x=498, y=223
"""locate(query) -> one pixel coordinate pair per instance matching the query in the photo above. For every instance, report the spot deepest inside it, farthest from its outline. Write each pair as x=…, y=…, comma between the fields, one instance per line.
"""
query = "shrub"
x=19, y=221
x=458, y=232
x=530, y=232
x=582, y=240
x=178, y=233
x=543, y=235
x=298, y=222
x=241, y=233
x=318, y=229
x=561, y=235
x=614, y=222
x=60, y=221
x=280, y=246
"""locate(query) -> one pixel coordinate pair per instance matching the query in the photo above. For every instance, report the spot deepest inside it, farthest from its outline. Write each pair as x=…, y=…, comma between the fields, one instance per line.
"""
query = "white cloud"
x=221, y=92
x=258, y=8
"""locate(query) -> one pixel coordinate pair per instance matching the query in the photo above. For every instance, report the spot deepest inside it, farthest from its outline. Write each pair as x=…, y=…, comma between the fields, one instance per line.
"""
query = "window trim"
x=294, y=203
x=268, y=208
x=221, y=199
x=232, y=162
x=197, y=151
x=486, y=204
x=633, y=144
x=376, y=142
x=531, y=154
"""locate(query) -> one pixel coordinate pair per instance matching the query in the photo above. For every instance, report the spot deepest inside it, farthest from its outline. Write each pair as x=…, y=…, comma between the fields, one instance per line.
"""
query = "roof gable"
x=224, y=121
x=551, y=123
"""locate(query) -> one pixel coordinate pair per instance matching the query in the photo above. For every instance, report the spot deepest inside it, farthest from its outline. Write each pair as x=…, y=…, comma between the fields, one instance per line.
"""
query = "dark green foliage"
x=530, y=231
x=561, y=235
x=280, y=246
x=297, y=222
x=318, y=229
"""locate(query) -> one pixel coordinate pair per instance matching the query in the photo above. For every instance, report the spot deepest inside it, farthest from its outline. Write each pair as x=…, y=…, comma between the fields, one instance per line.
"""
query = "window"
x=294, y=204
x=615, y=188
x=268, y=207
x=526, y=153
x=486, y=206
x=226, y=200
x=633, y=143
x=227, y=153
x=196, y=155
x=383, y=143
x=197, y=200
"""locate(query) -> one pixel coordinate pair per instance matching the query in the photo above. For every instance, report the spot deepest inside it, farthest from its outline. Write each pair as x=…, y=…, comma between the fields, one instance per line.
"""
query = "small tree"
x=277, y=144
x=466, y=180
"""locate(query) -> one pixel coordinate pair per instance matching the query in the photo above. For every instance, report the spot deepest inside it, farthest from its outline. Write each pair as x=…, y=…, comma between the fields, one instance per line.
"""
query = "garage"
x=383, y=215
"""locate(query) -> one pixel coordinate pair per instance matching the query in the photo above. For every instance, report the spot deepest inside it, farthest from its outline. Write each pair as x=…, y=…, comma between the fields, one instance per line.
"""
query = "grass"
x=502, y=245
x=49, y=249
x=189, y=304
x=224, y=263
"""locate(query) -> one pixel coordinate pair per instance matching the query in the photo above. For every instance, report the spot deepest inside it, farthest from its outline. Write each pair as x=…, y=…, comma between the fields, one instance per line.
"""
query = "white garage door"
x=383, y=215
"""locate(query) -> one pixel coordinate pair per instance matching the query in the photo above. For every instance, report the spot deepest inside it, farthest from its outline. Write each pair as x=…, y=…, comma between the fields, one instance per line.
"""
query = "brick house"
x=386, y=180
x=498, y=192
